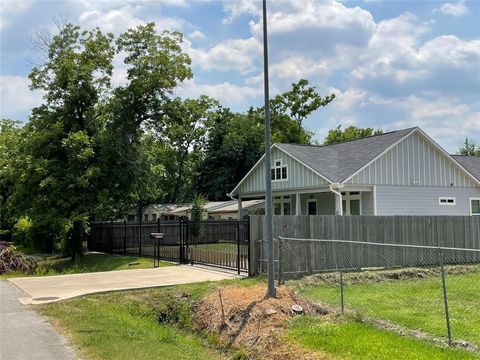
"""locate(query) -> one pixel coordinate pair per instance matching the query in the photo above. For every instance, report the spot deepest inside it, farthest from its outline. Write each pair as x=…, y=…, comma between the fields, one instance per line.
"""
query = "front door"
x=312, y=207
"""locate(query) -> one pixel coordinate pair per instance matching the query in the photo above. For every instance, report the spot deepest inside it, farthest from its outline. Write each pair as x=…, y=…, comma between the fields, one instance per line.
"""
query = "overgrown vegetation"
x=15, y=262
x=51, y=265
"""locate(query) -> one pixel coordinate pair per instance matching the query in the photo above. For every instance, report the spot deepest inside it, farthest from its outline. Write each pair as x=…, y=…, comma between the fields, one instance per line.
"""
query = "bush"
x=22, y=231
x=72, y=244
x=47, y=233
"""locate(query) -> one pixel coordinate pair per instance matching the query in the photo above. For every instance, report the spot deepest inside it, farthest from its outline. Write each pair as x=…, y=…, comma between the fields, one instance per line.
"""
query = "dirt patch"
x=244, y=318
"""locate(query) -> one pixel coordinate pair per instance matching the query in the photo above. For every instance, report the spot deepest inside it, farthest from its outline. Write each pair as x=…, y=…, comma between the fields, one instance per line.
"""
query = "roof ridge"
x=352, y=140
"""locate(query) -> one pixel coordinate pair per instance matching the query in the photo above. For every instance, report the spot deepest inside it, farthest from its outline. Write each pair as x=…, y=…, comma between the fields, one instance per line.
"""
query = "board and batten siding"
x=298, y=176
x=413, y=200
x=414, y=162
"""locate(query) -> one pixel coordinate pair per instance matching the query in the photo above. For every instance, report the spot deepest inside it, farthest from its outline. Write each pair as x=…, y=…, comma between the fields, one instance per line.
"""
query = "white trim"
x=445, y=201
x=316, y=206
x=471, y=208
x=275, y=167
x=378, y=156
x=234, y=191
x=375, y=200
x=348, y=198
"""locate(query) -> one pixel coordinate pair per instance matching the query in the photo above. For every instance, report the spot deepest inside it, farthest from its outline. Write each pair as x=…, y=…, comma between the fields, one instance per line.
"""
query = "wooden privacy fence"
x=299, y=247
x=222, y=243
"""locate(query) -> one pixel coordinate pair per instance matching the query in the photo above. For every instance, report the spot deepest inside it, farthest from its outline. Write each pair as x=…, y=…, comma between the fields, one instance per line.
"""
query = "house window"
x=446, y=200
x=282, y=205
x=475, y=206
x=145, y=217
x=154, y=217
x=279, y=171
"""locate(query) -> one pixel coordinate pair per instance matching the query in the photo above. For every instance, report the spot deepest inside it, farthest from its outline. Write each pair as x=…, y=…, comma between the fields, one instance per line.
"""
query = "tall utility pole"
x=268, y=178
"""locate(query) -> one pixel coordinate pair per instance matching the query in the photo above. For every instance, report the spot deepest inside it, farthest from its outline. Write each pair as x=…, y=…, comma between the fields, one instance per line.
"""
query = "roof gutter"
x=334, y=188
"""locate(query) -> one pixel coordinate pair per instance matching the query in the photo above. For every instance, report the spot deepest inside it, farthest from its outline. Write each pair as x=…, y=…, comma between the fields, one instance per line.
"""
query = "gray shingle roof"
x=471, y=163
x=338, y=161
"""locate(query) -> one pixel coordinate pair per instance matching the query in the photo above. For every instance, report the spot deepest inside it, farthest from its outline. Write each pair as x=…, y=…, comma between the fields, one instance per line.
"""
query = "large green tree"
x=351, y=132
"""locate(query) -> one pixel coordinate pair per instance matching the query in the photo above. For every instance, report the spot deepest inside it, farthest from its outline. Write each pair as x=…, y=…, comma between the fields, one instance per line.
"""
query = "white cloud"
x=235, y=54
x=119, y=19
x=197, y=34
x=455, y=9
x=16, y=99
x=8, y=9
x=229, y=94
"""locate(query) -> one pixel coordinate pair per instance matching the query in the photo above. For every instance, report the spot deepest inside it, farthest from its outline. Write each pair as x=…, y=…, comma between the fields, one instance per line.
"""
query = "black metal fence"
x=221, y=243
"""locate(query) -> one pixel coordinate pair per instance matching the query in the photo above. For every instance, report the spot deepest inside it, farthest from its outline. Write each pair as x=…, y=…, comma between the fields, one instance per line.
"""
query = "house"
x=155, y=211
x=230, y=211
x=401, y=172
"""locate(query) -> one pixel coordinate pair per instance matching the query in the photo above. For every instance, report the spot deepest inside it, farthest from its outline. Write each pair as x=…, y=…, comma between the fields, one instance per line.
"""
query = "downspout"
x=336, y=192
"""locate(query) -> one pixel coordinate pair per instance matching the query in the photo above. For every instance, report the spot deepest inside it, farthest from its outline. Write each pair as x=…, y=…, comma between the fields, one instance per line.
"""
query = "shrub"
x=22, y=231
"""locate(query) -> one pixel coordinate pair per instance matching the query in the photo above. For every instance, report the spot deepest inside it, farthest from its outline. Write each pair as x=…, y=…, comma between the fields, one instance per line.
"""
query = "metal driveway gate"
x=219, y=243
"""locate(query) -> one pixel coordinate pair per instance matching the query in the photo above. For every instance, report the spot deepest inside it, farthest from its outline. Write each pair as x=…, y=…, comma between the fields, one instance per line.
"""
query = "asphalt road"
x=25, y=335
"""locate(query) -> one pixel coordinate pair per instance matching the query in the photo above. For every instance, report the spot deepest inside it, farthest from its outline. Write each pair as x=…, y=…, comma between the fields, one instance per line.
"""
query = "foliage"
x=352, y=132
x=469, y=148
x=197, y=212
x=22, y=230
x=236, y=141
x=11, y=138
x=11, y=261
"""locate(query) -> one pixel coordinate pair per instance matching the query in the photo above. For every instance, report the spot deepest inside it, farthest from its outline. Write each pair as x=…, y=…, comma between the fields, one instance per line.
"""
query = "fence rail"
x=222, y=243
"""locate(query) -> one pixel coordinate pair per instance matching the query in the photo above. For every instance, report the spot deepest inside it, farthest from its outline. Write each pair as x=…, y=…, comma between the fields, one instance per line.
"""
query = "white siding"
x=414, y=162
x=299, y=176
x=416, y=200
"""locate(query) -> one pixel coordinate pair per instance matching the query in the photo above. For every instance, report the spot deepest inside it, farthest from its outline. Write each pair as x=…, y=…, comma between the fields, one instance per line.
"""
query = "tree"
x=235, y=141
x=338, y=135
x=469, y=148
x=182, y=130
x=61, y=138
x=11, y=138
x=156, y=66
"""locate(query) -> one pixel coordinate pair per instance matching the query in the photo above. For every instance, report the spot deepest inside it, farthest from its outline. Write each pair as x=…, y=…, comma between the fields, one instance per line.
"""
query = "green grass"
x=219, y=247
x=416, y=304
x=125, y=325
x=89, y=262
x=355, y=340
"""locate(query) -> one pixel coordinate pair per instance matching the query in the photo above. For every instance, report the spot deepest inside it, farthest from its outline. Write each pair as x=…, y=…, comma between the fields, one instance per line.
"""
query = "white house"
x=402, y=172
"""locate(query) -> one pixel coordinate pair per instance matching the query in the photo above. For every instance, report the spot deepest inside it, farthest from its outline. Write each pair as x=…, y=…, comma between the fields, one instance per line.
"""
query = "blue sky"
x=392, y=64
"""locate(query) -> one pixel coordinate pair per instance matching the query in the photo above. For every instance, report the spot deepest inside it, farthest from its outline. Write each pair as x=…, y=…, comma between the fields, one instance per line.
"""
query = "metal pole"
x=238, y=247
x=341, y=291
x=445, y=300
x=268, y=179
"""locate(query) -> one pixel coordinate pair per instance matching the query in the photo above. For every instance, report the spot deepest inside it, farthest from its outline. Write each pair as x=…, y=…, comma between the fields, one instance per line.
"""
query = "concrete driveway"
x=46, y=289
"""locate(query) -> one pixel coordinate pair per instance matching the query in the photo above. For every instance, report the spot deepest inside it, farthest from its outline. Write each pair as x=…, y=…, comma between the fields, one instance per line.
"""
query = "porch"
x=355, y=200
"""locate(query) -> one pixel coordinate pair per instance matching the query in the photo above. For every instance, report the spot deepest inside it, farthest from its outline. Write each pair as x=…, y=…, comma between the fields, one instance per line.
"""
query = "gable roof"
x=471, y=163
x=339, y=161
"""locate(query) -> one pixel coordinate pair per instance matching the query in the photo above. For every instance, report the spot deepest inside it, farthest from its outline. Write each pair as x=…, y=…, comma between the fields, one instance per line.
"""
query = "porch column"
x=240, y=210
x=298, y=205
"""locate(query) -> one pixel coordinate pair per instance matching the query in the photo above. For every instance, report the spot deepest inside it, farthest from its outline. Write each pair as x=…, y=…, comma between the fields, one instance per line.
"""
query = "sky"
x=391, y=64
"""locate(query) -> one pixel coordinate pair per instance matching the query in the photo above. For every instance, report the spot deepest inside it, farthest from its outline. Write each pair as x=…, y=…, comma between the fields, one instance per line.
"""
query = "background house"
x=402, y=172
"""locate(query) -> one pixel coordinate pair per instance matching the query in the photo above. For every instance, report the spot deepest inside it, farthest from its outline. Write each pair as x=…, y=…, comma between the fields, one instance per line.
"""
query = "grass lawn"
x=157, y=324
x=90, y=262
x=232, y=247
x=143, y=324
x=355, y=340
x=416, y=304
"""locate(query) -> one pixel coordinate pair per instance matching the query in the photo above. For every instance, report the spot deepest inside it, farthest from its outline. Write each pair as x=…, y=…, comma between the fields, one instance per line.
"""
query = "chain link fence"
x=431, y=293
